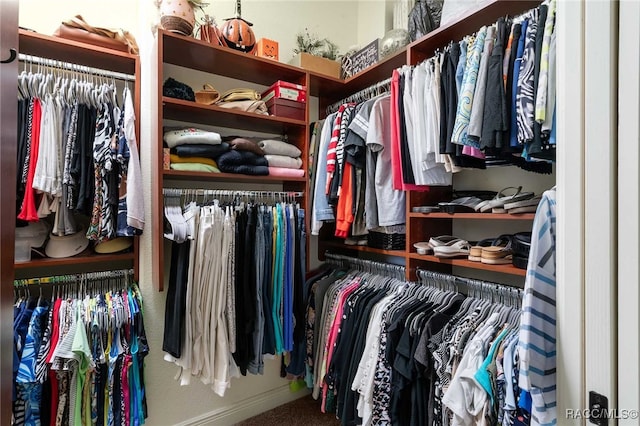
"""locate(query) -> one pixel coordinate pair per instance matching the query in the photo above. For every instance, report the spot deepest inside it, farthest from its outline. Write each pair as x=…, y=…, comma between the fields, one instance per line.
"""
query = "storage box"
x=285, y=90
x=317, y=63
x=286, y=108
x=268, y=48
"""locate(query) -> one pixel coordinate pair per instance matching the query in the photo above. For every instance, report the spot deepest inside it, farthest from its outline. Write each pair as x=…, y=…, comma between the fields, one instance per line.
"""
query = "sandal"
x=499, y=252
x=423, y=247
x=460, y=205
x=475, y=252
x=500, y=199
x=455, y=247
x=208, y=95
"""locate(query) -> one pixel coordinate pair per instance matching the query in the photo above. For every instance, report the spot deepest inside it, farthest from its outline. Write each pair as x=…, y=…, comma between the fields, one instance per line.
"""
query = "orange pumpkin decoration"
x=237, y=33
x=268, y=48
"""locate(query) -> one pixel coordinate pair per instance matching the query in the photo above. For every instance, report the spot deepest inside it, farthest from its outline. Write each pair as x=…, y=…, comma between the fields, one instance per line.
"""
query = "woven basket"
x=176, y=25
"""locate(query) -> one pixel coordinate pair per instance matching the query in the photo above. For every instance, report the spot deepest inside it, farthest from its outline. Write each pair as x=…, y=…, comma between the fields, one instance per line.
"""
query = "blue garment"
x=268, y=342
x=278, y=281
x=513, y=126
x=482, y=375
x=462, y=64
x=322, y=211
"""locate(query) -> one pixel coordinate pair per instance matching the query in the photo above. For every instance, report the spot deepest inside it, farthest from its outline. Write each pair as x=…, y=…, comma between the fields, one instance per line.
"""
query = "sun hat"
x=60, y=246
x=113, y=246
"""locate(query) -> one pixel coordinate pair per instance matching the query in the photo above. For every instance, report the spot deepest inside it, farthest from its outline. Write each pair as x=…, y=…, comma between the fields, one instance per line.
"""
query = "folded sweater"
x=191, y=136
x=243, y=162
x=275, y=147
x=284, y=172
x=194, y=167
x=175, y=159
x=283, y=161
x=207, y=151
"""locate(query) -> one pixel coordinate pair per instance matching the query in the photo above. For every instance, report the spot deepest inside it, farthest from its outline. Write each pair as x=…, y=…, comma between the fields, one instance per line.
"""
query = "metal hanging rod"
x=362, y=95
x=494, y=292
x=68, y=66
x=75, y=278
x=178, y=192
x=366, y=265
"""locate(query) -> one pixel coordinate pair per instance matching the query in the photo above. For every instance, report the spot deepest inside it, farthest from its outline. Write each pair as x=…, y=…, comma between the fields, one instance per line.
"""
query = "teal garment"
x=277, y=281
x=467, y=91
x=482, y=375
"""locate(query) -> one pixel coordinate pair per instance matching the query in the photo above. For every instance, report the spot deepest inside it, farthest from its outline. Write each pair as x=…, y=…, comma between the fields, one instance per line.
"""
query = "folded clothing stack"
x=282, y=157
x=243, y=162
x=194, y=149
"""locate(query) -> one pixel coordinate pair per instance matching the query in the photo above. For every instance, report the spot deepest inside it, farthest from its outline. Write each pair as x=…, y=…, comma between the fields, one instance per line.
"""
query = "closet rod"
x=364, y=94
x=64, y=279
x=366, y=265
x=228, y=193
x=475, y=288
x=68, y=66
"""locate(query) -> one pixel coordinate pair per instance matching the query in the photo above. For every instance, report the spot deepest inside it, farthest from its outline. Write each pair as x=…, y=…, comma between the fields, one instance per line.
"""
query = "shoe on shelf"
x=449, y=246
x=423, y=247
x=501, y=199
x=475, y=252
x=499, y=252
x=460, y=205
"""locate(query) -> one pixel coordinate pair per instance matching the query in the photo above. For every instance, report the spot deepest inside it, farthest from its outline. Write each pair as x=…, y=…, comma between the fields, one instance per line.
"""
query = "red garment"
x=396, y=164
x=28, y=211
x=332, y=158
x=55, y=327
x=344, y=211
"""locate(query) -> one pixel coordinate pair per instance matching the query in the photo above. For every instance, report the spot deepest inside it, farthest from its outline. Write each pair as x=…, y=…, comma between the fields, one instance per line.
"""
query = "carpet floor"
x=301, y=412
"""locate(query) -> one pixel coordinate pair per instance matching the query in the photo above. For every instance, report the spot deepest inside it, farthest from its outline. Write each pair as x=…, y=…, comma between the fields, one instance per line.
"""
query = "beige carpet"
x=301, y=412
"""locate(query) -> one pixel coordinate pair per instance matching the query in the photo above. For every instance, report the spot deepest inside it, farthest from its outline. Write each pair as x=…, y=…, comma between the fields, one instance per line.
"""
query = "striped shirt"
x=537, y=337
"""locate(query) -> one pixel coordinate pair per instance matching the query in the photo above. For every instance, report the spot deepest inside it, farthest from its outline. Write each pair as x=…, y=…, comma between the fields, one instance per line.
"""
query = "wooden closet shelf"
x=60, y=49
x=479, y=216
x=191, y=53
x=465, y=263
x=469, y=23
x=330, y=87
x=342, y=246
x=228, y=177
x=212, y=115
x=82, y=259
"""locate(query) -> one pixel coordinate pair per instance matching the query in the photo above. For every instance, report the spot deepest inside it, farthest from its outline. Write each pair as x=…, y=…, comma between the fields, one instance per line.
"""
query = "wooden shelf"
x=44, y=46
x=465, y=263
x=334, y=88
x=468, y=23
x=212, y=115
x=84, y=262
x=478, y=216
x=191, y=53
x=342, y=246
x=228, y=177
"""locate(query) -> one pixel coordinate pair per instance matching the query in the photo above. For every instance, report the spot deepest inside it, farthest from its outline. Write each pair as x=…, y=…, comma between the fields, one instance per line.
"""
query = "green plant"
x=313, y=45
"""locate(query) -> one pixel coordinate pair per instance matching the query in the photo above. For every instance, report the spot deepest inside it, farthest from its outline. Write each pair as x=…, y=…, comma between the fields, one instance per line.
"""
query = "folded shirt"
x=207, y=151
x=194, y=167
x=283, y=161
x=243, y=144
x=275, y=147
x=202, y=160
x=191, y=136
x=284, y=172
x=243, y=162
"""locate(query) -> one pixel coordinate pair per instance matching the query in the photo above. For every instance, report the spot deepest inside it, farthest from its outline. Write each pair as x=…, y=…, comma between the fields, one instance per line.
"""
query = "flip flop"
x=475, y=252
x=501, y=199
x=460, y=205
x=499, y=252
x=423, y=247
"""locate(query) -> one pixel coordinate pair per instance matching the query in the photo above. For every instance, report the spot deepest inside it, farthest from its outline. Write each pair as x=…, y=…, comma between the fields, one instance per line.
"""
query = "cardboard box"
x=286, y=108
x=268, y=48
x=317, y=63
x=285, y=90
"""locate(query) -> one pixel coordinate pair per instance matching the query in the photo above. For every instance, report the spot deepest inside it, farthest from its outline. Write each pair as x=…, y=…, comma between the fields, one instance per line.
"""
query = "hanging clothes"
x=235, y=284
x=80, y=357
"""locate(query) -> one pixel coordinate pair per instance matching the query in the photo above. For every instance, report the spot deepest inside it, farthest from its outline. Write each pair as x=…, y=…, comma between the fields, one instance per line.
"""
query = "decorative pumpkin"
x=237, y=33
x=268, y=48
